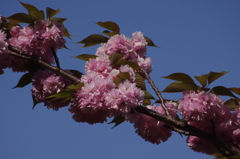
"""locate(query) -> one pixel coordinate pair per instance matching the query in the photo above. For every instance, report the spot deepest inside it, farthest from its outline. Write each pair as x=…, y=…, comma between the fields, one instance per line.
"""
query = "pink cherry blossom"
x=46, y=83
x=5, y=59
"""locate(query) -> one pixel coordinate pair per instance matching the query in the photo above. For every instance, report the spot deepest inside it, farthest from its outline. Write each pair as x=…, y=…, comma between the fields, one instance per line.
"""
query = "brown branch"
x=18, y=53
x=229, y=149
x=156, y=91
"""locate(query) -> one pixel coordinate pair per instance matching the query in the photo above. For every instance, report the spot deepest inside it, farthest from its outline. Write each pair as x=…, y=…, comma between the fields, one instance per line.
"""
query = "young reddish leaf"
x=180, y=77
x=146, y=102
x=212, y=76
x=29, y=7
x=115, y=58
x=21, y=18
x=110, y=26
x=202, y=79
x=35, y=102
x=235, y=90
x=94, y=39
x=150, y=42
x=51, y=12
x=147, y=95
x=133, y=65
x=221, y=90
x=76, y=73
x=180, y=87
x=140, y=81
x=85, y=57
x=108, y=33
x=233, y=103
x=117, y=120
x=24, y=80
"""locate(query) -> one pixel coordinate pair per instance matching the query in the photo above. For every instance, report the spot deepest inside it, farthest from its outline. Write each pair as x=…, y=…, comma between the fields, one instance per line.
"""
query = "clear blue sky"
x=195, y=37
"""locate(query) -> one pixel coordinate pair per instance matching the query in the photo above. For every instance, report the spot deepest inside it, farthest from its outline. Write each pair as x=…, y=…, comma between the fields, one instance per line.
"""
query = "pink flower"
x=202, y=106
x=153, y=130
x=139, y=43
x=5, y=59
x=46, y=83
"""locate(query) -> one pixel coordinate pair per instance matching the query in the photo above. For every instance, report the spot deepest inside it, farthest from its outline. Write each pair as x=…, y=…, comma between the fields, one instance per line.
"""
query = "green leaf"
x=202, y=79
x=93, y=39
x=122, y=76
x=75, y=87
x=110, y=26
x=86, y=57
x=131, y=64
x=66, y=33
x=24, y=80
x=108, y=33
x=235, y=90
x=115, y=58
x=140, y=81
x=29, y=7
x=146, y=102
x=117, y=120
x=179, y=77
x=150, y=42
x=21, y=18
x=223, y=91
x=76, y=73
x=39, y=14
x=64, y=94
x=147, y=95
x=180, y=87
x=233, y=103
x=51, y=12
x=35, y=102
x=60, y=20
x=212, y=76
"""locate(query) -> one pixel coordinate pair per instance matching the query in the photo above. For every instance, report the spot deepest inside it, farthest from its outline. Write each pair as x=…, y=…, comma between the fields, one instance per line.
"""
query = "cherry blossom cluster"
x=45, y=84
x=39, y=40
x=100, y=96
x=207, y=112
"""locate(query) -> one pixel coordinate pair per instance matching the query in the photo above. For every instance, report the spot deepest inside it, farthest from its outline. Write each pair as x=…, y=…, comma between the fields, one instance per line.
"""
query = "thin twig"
x=55, y=57
x=156, y=91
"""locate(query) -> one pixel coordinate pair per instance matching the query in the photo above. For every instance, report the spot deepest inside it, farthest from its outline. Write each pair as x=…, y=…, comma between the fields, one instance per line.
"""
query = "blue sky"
x=195, y=37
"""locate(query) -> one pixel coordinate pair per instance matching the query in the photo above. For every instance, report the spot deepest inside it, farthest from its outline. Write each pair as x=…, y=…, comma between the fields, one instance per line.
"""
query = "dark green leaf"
x=115, y=58
x=150, y=42
x=202, y=79
x=223, y=91
x=24, y=80
x=235, y=90
x=85, y=57
x=140, y=81
x=60, y=20
x=76, y=73
x=108, y=33
x=179, y=77
x=51, y=12
x=131, y=64
x=110, y=26
x=35, y=102
x=212, y=76
x=21, y=18
x=93, y=39
x=180, y=87
x=117, y=120
x=122, y=76
x=37, y=14
x=29, y=7
x=233, y=103
x=147, y=95
x=146, y=102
